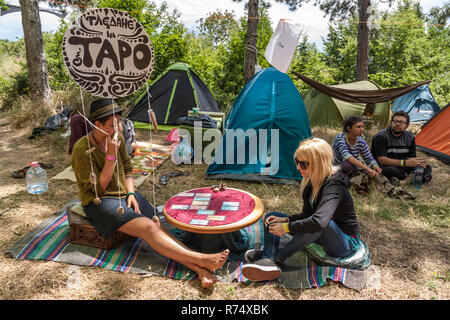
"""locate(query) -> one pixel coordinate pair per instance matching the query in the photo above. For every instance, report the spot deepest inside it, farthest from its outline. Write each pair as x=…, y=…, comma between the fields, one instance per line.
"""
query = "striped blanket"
x=148, y=157
x=50, y=241
x=145, y=159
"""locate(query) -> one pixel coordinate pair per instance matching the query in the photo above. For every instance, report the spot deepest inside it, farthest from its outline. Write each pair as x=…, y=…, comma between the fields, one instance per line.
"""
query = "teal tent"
x=263, y=129
x=419, y=104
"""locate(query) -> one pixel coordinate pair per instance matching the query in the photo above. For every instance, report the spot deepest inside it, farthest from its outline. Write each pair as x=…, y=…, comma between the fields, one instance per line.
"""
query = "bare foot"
x=206, y=277
x=216, y=260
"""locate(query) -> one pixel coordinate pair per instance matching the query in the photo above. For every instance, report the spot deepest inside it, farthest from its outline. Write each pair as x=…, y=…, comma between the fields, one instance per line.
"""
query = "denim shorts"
x=105, y=219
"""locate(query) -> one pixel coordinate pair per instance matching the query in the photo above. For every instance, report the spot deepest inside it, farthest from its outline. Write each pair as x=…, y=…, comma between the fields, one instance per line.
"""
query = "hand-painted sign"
x=108, y=53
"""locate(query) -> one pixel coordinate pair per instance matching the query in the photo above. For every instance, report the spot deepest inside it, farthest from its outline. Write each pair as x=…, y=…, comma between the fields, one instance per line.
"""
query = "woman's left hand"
x=132, y=203
x=276, y=229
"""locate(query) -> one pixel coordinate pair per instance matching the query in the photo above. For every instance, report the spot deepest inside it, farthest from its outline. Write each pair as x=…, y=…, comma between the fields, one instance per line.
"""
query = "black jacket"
x=333, y=202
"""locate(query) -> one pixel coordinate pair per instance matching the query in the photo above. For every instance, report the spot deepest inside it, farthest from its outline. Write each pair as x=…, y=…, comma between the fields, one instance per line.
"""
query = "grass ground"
x=409, y=241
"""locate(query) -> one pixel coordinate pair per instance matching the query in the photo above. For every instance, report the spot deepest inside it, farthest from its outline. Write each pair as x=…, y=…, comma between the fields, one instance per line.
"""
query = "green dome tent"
x=176, y=91
x=324, y=110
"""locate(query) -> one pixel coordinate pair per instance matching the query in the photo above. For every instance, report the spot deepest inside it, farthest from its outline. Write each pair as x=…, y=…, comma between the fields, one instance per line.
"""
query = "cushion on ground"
x=359, y=260
x=78, y=209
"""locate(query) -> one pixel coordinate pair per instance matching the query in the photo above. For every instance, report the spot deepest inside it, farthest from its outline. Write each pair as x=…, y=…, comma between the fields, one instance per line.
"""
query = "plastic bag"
x=281, y=47
x=174, y=136
x=183, y=153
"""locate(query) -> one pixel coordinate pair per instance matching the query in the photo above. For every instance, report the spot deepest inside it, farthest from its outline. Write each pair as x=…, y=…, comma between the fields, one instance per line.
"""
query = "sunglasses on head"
x=303, y=164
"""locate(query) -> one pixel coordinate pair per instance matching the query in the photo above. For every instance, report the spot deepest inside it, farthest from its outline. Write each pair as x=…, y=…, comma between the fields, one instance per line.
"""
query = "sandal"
x=46, y=166
x=163, y=179
x=20, y=174
x=177, y=173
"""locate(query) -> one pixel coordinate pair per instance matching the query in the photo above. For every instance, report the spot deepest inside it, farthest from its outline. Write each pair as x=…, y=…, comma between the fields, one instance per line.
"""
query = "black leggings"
x=402, y=172
x=394, y=171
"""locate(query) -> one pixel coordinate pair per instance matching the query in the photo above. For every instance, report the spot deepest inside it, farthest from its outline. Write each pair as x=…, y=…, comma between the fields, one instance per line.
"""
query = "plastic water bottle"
x=36, y=179
x=418, y=177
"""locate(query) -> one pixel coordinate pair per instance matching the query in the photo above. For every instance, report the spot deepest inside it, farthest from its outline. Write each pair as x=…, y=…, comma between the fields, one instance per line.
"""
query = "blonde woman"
x=328, y=216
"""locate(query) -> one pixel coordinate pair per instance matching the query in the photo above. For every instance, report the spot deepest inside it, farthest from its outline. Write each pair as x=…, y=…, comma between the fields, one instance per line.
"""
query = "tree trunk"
x=34, y=46
x=362, y=60
x=252, y=37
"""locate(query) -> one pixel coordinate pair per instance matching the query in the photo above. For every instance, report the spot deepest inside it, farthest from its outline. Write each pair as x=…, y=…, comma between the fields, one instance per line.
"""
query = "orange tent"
x=434, y=137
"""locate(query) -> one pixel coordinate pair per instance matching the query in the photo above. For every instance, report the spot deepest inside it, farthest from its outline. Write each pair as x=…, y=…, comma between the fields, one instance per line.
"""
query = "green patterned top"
x=81, y=165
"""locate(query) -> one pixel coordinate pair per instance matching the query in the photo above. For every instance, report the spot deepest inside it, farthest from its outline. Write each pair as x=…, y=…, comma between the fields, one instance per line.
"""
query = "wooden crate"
x=82, y=232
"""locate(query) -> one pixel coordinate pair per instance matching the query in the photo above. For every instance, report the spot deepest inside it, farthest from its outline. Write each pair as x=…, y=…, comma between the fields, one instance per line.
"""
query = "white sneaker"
x=253, y=255
x=261, y=270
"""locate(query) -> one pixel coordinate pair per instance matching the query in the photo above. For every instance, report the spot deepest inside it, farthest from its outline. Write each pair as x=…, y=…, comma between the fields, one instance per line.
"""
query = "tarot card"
x=202, y=199
x=200, y=203
x=185, y=194
x=194, y=207
x=180, y=207
x=216, y=218
x=199, y=222
x=228, y=208
x=208, y=212
x=205, y=195
x=230, y=204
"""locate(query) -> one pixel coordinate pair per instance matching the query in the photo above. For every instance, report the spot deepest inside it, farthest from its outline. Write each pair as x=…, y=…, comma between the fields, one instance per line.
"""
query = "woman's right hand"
x=274, y=219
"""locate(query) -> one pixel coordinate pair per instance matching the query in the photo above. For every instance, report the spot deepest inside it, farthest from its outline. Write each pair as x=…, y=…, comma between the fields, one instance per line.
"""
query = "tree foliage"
x=217, y=27
x=231, y=76
x=309, y=61
x=403, y=51
x=416, y=54
x=409, y=46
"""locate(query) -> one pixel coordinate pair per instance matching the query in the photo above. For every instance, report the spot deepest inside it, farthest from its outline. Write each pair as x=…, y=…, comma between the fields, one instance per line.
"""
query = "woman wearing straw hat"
x=109, y=198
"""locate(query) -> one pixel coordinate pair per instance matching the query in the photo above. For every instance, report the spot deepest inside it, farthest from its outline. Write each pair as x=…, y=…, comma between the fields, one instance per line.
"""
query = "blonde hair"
x=320, y=157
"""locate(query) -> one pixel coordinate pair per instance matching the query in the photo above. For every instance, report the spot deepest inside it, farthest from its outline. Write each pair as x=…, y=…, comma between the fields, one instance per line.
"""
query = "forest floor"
x=408, y=240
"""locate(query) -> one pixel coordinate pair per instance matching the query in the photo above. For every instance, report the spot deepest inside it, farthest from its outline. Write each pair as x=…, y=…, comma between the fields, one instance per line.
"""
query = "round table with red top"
x=213, y=219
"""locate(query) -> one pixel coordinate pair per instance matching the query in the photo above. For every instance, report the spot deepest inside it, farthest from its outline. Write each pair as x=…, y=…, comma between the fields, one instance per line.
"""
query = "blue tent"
x=419, y=104
x=263, y=129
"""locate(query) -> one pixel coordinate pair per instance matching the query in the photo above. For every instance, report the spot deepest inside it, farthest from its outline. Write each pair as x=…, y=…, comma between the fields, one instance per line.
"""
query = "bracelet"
x=286, y=227
x=109, y=157
x=402, y=163
x=130, y=194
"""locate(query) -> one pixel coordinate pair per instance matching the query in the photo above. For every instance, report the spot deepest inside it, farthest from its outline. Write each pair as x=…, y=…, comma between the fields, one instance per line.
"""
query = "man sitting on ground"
x=395, y=150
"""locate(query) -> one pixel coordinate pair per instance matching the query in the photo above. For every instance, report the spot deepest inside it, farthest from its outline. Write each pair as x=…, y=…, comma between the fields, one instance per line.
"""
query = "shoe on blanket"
x=253, y=255
x=261, y=270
